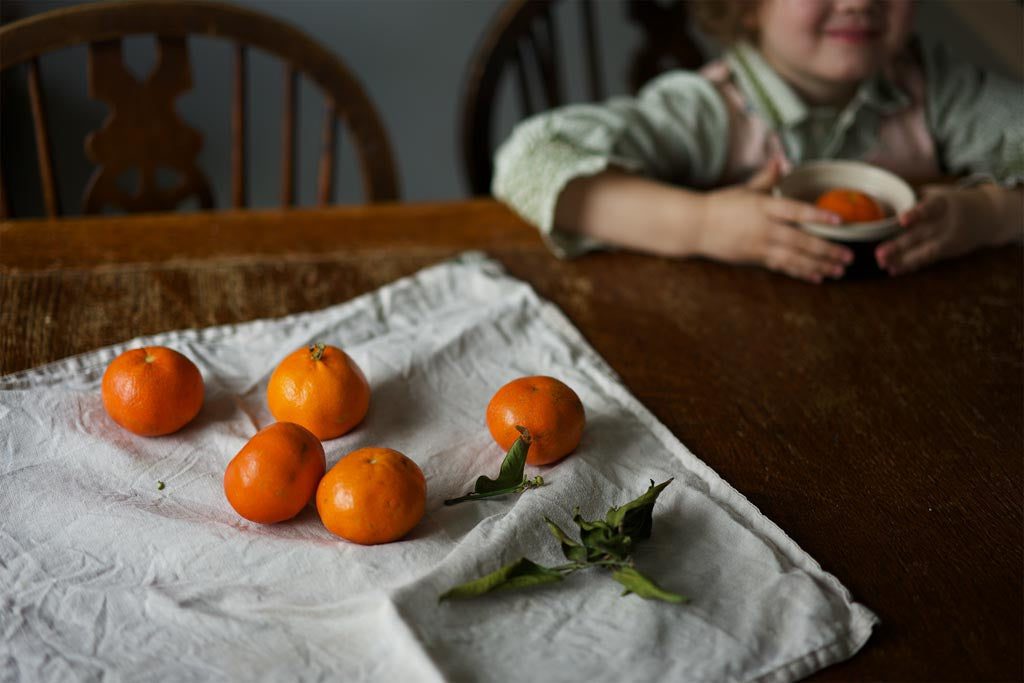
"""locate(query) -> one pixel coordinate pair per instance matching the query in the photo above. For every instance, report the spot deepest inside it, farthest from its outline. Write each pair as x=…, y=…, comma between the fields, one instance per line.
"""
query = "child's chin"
x=851, y=70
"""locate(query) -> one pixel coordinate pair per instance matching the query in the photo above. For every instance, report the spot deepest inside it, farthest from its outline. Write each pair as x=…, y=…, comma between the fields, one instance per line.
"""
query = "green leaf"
x=635, y=582
x=616, y=546
x=511, y=473
x=520, y=574
x=601, y=540
x=634, y=519
x=570, y=548
x=583, y=524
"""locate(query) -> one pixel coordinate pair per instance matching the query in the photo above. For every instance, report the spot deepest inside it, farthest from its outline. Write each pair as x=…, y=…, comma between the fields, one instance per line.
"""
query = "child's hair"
x=727, y=21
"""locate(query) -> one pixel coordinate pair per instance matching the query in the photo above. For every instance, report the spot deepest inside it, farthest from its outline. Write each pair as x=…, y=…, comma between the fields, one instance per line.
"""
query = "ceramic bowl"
x=810, y=180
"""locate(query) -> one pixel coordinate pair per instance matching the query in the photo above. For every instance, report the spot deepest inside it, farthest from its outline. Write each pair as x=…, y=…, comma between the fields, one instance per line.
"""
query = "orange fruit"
x=275, y=474
x=372, y=495
x=320, y=388
x=152, y=391
x=547, y=407
x=850, y=205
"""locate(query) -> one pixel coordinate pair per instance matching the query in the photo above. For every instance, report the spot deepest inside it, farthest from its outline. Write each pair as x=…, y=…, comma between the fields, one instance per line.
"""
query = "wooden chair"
x=144, y=133
x=523, y=39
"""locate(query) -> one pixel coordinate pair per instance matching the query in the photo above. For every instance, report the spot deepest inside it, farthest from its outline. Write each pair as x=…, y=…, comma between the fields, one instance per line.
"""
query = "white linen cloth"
x=103, y=576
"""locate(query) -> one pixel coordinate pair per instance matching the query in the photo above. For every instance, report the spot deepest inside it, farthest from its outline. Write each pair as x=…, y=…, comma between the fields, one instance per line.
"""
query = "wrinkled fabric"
x=103, y=576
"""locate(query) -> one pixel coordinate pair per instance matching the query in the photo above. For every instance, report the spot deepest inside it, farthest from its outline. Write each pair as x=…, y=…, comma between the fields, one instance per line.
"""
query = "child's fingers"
x=914, y=214
x=891, y=254
x=765, y=179
x=812, y=246
x=804, y=256
x=797, y=264
x=928, y=209
x=791, y=210
x=919, y=255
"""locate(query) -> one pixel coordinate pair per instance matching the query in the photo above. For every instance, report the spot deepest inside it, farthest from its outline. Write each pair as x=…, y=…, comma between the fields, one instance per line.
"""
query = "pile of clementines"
x=373, y=494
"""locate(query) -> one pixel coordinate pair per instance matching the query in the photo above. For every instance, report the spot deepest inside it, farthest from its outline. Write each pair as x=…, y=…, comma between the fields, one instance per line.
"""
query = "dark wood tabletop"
x=878, y=422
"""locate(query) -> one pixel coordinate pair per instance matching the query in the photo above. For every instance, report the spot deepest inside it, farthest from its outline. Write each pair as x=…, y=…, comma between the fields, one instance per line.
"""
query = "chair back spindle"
x=290, y=98
x=544, y=40
x=44, y=149
x=326, y=174
x=5, y=205
x=523, y=80
x=238, y=128
x=595, y=77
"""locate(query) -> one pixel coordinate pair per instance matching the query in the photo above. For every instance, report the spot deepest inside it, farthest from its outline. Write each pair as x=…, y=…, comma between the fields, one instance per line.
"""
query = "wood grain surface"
x=879, y=422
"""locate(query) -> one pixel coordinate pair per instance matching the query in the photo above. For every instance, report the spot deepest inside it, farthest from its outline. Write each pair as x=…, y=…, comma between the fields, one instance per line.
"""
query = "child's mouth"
x=852, y=35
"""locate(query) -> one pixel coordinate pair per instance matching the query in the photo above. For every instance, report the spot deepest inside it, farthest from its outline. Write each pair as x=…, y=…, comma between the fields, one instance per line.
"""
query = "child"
x=801, y=79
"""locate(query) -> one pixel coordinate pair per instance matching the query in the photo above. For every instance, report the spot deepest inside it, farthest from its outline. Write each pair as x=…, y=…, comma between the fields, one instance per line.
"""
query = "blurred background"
x=411, y=57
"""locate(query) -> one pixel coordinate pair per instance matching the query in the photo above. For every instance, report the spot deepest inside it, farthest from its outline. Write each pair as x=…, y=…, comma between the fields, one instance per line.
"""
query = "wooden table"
x=878, y=422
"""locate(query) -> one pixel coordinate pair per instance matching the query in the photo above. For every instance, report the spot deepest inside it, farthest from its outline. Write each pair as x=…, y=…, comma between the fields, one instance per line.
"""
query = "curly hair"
x=726, y=20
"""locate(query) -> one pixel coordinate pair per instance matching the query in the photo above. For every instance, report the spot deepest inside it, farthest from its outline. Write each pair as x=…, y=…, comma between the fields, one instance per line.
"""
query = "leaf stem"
x=573, y=566
x=617, y=564
x=536, y=482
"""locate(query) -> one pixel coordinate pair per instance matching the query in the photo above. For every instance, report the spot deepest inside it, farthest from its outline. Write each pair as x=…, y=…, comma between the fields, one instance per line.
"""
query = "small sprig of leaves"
x=510, y=478
x=607, y=543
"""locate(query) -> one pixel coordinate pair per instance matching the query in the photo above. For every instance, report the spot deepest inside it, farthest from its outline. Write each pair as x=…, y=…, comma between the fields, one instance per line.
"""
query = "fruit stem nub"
x=316, y=351
x=524, y=434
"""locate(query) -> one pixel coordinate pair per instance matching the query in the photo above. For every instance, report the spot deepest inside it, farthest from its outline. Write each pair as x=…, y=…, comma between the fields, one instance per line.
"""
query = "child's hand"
x=948, y=222
x=933, y=230
x=744, y=224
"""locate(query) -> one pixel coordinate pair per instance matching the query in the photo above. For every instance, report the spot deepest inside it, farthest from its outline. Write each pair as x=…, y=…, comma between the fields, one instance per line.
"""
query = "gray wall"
x=411, y=55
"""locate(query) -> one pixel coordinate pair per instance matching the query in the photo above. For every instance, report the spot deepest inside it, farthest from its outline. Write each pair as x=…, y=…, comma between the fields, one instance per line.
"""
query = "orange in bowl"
x=812, y=179
x=850, y=205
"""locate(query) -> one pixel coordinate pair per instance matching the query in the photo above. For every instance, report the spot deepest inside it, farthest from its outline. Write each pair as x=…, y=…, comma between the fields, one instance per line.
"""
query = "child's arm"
x=951, y=221
x=740, y=224
x=676, y=131
x=595, y=175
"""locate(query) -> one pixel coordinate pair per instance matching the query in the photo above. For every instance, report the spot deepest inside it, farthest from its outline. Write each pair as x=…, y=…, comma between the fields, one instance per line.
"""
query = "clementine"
x=275, y=474
x=320, y=388
x=547, y=407
x=152, y=391
x=372, y=495
x=850, y=205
